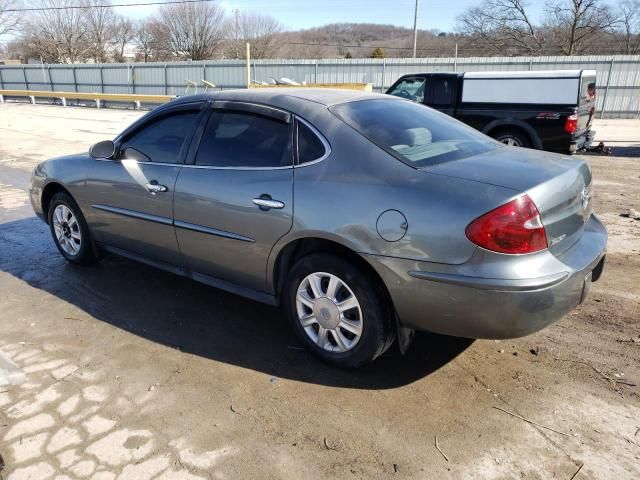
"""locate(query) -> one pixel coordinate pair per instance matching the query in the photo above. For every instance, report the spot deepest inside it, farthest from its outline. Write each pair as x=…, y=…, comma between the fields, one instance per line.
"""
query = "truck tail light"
x=571, y=123
x=514, y=227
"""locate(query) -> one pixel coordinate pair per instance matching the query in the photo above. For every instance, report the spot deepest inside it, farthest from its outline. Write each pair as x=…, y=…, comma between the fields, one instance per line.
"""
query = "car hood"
x=510, y=167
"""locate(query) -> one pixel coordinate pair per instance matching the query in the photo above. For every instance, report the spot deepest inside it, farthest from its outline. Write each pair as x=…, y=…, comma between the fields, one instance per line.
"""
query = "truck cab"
x=546, y=110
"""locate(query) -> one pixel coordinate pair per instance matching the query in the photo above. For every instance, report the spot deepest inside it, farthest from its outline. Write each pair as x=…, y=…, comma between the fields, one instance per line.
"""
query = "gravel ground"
x=122, y=371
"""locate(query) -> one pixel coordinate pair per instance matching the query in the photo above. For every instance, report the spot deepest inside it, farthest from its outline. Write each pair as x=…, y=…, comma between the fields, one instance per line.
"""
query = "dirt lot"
x=135, y=373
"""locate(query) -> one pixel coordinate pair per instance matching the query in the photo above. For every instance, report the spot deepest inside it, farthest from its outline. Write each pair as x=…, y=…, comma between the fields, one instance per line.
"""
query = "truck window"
x=588, y=90
x=411, y=88
x=443, y=92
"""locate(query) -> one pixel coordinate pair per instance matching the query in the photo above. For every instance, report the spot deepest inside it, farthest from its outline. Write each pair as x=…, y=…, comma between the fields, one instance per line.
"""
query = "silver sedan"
x=365, y=216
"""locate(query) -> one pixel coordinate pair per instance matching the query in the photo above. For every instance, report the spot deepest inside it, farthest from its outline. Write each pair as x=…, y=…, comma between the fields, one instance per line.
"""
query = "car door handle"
x=154, y=187
x=268, y=203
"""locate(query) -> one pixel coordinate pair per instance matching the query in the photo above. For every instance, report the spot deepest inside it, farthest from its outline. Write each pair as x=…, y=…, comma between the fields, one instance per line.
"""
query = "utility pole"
x=415, y=29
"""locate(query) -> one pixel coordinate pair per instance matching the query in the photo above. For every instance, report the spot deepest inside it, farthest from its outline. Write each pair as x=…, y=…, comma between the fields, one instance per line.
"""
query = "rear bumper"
x=452, y=300
x=582, y=141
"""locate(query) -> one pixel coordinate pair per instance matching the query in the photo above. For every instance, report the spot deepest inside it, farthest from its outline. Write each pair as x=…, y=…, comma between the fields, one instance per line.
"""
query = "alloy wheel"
x=329, y=312
x=67, y=230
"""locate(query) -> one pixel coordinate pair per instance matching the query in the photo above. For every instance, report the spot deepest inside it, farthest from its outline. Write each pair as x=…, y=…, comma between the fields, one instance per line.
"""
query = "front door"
x=235, y=200
x=131, y=195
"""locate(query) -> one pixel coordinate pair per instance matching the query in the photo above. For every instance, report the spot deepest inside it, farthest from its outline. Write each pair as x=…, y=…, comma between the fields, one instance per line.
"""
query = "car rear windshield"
x=415, y=134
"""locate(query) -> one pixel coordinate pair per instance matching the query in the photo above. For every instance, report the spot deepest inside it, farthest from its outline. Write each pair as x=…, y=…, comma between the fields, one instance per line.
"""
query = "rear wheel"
x=339, y=313
x=69, y=229
x=512, y=138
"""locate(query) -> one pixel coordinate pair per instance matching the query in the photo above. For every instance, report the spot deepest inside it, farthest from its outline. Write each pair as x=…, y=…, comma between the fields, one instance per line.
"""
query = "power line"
x=106, y=5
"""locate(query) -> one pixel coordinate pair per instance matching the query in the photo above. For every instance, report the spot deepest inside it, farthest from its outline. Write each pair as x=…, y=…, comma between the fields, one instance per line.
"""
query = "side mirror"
x=104, y=149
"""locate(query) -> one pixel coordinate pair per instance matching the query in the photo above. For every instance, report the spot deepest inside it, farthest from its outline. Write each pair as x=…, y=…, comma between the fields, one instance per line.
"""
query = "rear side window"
x=588, y=90
x=243, y=139
x=443, y=92
x=161, y=140
x=310, y=147
x=415, y=134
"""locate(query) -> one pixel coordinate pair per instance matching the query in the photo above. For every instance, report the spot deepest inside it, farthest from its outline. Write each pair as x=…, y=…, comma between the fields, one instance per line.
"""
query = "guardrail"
x=98, y=98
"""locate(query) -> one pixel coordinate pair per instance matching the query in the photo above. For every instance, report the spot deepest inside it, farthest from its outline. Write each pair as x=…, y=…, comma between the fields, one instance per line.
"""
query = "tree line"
x=57, y=31
x=64, y=31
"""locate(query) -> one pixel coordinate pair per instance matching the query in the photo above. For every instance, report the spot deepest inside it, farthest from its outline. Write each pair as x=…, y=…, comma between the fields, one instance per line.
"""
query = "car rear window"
x=415, y=134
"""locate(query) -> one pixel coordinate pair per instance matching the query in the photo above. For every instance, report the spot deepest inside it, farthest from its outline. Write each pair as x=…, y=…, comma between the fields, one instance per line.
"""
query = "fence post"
x=606, y=89
x=315, y=78
x=50, y=79
x=1, y=81
x=384, y=71
x=166, y=81
x=133, y=79
x=75, y=81
x=101, y=80
x=26, y=82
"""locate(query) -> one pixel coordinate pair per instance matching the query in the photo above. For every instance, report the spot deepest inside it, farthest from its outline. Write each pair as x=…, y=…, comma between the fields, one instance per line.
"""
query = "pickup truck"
x=545, y=110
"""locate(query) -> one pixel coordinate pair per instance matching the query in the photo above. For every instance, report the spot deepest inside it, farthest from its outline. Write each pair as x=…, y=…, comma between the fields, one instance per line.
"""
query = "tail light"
x=571, y=123
x=514, y=227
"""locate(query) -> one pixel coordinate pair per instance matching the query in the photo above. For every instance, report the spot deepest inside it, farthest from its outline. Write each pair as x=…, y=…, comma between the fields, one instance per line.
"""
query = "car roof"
x=274, y=95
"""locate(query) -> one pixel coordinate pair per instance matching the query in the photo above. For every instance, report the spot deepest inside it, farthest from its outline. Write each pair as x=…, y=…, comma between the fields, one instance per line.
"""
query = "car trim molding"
x=500, y=284
x=176, y=223
x=134, y=214
x=212, y=231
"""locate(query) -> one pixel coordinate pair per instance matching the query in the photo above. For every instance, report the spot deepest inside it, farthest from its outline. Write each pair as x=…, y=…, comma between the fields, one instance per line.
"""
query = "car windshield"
x=415, y=134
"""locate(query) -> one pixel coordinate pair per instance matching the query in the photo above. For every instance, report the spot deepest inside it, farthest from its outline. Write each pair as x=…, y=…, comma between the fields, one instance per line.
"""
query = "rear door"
x=443, y=93
x=234, y=198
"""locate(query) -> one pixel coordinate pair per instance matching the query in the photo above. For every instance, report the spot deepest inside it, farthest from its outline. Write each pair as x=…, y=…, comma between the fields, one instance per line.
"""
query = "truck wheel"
x=512, y=138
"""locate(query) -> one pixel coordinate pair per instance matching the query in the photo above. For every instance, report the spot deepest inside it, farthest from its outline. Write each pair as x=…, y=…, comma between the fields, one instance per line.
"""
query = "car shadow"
x=198, y=319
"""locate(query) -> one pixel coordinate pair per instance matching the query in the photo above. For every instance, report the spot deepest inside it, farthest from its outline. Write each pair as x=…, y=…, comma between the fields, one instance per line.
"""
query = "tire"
x=513, y=137
x=69, y=229
x=370, y=315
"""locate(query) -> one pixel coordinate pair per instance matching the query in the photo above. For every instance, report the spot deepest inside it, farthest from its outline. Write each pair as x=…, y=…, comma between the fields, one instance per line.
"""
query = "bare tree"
x=575, y=25
x=144, y=40
x=261, y=31
x=503, y=26
x=123, y=34
x=193, y=31
x=629, y=18
x=8, y=20
x=100, y=27
x=59, y=33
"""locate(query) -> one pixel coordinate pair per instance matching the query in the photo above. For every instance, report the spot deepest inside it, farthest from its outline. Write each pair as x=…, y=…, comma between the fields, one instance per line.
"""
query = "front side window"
x=310, y=147
x=243, y=139
x=419, y=136
x=161, y=140
x=412, y=88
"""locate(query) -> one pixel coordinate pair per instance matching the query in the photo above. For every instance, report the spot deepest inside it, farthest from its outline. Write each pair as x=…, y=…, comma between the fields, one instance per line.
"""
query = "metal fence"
x=618, y=76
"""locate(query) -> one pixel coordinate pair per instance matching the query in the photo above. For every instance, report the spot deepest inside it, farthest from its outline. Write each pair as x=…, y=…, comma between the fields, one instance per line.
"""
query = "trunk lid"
x=559, y=186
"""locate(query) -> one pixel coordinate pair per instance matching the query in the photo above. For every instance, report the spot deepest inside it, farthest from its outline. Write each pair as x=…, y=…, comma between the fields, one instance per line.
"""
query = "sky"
x=302, y=14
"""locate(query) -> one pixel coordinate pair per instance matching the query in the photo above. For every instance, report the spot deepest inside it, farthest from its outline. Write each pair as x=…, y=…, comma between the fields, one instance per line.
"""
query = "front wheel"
x=338, y=312
x=69, y=229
